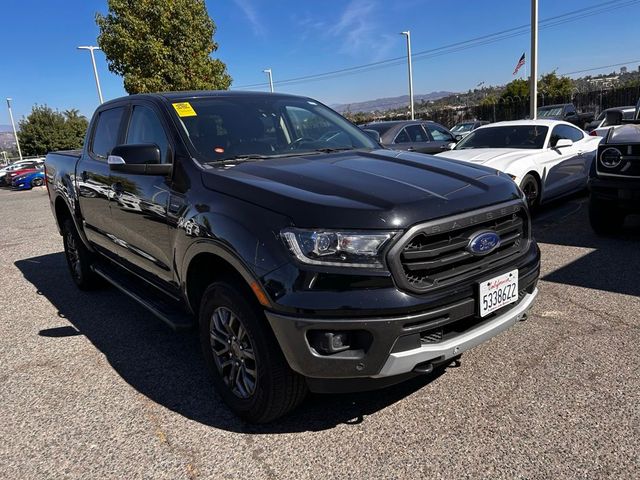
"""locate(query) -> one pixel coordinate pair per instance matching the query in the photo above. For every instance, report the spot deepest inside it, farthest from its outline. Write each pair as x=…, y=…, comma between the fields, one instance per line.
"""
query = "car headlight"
x=337, y=248
x=610, y=157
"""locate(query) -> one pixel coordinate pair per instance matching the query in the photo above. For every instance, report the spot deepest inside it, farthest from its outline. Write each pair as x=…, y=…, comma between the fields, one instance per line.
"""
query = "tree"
x=45, y=130
x=516, y=88
x=161, y=45
x=553, y=86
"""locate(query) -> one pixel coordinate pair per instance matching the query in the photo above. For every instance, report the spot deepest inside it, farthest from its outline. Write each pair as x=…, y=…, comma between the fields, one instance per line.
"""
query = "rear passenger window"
x=105, y=135
x=403, y=137
x=416, y=133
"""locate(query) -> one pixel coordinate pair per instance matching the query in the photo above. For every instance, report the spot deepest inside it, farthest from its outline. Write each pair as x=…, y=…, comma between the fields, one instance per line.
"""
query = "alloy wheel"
x=233, y=352
x=73, y=255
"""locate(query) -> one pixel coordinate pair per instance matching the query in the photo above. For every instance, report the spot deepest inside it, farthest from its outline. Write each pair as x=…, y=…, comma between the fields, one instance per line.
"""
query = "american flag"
x=520, y=64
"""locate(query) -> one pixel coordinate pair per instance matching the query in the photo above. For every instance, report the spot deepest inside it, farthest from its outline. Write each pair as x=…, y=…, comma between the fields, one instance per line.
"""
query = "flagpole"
x=533, y=80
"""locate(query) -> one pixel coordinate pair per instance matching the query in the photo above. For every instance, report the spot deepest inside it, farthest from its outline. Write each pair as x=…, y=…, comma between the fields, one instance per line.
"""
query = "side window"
x=105, y=135
x=573, y=133
x=438, y=133
x=402, y=137
x=565, y=131
x=416, y=133
x=145, y=127
x=570, y=110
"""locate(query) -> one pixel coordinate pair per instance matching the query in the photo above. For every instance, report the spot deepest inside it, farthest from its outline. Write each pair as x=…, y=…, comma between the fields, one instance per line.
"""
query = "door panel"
x=92, y=176
x=139, y=203
x=565, y=166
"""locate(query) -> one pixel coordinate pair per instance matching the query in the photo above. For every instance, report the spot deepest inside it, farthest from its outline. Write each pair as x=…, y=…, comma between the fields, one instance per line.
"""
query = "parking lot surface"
x=94, y=386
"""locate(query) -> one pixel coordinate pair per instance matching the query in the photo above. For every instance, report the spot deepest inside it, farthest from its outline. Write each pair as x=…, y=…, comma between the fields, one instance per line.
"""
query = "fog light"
x=330, y=342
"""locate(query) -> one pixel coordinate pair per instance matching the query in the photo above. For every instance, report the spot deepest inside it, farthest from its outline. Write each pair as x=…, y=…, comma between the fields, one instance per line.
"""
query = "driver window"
x=145, y=127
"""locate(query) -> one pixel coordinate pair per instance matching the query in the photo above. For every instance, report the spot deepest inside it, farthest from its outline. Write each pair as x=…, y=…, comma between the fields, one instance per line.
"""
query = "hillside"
x=387, y=103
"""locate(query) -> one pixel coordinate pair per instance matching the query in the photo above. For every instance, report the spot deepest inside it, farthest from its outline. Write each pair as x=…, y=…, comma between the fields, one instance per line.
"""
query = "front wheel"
x=37, y=182
x=248, y=369
x=531, y=188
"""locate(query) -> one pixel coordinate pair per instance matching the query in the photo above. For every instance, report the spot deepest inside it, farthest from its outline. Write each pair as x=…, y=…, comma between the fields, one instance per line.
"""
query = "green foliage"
x=46, y=130
x=516, y=88
x=161, y=45
x=553, y=86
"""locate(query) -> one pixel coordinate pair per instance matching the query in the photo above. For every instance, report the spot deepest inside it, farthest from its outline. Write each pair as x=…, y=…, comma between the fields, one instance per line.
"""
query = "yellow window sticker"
x=184, y=109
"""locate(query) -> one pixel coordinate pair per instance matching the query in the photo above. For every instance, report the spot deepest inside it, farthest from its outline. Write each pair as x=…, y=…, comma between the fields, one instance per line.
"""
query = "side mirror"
x=563, y=142
x=143, y=159
x=373, y=134
x=458, y=137
x=613, y=117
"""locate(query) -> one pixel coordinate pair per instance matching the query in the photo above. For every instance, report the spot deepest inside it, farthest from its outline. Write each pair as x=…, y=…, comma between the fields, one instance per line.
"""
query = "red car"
x=11, y=175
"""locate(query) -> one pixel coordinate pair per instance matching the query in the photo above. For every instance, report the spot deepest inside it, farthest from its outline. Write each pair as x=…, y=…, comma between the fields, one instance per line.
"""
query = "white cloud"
x=360, y=32
x=250, y=12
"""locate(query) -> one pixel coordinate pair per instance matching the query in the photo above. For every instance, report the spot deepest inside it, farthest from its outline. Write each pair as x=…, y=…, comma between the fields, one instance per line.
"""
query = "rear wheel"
x=605, y=217
x=248, y=369
x=531, y=188
x=79, y=258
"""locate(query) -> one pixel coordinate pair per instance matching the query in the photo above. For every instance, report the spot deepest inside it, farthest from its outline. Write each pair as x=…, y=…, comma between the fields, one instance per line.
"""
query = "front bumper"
x=622, y=192
x=399, y=344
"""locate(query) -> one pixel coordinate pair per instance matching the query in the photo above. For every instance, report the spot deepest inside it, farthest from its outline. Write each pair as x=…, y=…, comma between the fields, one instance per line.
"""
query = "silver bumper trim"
x=403, y=362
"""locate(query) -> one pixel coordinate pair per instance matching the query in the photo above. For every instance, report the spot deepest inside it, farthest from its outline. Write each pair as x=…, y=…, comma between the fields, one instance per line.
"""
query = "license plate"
x=497, y=292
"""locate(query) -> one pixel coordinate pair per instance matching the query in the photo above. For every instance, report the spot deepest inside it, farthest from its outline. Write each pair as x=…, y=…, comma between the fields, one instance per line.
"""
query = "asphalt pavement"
x=94, y=386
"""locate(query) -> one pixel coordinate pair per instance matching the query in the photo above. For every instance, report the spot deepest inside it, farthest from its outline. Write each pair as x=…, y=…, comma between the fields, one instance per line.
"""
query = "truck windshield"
x=462, y=127
x=549, y=112
x=231, y=127
x=516, y=136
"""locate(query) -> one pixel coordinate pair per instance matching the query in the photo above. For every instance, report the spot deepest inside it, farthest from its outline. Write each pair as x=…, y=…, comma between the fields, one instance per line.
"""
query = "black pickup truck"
x=614, y=180
x=566, y=112
x=308, y=256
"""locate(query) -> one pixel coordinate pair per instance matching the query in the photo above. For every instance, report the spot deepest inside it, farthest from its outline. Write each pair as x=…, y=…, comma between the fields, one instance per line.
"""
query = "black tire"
x=79, y=259
x=605, y=217
x=37, y=182
x=531, y=188
x=273, y=389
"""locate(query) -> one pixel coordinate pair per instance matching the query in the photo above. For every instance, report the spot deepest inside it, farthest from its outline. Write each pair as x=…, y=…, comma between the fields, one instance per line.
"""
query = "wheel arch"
x=207, y=262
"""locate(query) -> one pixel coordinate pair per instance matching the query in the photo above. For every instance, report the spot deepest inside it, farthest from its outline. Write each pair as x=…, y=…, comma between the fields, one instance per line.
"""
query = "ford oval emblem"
x=483, y=243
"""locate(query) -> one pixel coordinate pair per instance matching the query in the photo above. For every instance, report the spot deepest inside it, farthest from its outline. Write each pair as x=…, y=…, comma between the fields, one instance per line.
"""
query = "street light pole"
x=13, y=125
x=533, y=80
x=270, y=75
x=408, y=35
x=91, y=49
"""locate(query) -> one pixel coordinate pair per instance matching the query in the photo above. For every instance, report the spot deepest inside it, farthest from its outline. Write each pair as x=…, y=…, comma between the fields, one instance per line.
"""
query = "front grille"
x=435, y=254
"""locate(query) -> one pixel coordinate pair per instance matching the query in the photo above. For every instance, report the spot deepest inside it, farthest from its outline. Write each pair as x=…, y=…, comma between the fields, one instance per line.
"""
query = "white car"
x=601, y=128
x=547, y=158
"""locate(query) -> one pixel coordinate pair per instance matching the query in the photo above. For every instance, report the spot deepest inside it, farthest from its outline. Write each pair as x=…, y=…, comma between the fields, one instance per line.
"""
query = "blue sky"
x=40, y=63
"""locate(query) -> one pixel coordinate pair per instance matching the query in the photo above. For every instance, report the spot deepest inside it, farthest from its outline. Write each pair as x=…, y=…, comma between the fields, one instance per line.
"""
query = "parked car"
x=10, y=176
x=27, y=181
x=6, y=172
x=307, y=256
x=600, y=127
x=547, y=158
x=614, y=180
x=462, y=129
x=413, y=135
x=566, y=112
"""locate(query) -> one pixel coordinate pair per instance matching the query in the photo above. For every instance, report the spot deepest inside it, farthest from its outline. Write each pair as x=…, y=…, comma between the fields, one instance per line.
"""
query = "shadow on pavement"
x=611, y=266
x=167, y=367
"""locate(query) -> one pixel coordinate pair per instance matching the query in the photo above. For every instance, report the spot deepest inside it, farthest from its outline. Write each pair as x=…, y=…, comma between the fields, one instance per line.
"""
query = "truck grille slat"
x=435, y=255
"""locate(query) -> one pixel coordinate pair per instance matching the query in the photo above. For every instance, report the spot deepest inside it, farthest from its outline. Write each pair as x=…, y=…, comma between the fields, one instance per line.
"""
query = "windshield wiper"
x=331, y=150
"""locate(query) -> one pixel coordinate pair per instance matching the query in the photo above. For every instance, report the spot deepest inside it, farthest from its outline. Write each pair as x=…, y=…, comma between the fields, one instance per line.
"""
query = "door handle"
x=117, y=188
x=411, y=149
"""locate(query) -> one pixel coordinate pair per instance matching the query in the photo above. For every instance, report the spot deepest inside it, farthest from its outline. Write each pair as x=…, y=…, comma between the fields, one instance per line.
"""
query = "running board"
x=171, y=314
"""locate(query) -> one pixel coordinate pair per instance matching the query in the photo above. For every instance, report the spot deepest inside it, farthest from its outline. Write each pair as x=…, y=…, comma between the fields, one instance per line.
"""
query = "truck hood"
x=379, y=189
x=483, y=156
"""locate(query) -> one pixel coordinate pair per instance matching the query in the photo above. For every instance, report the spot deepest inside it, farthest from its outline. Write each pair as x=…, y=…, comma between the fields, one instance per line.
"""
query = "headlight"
x=611, y=157
x=338, y=249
